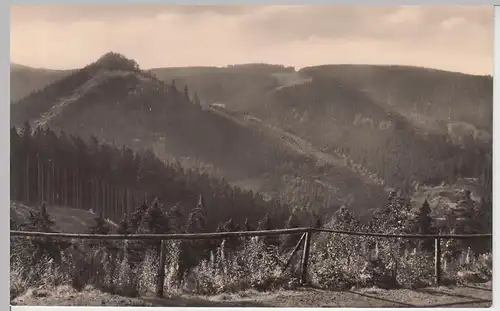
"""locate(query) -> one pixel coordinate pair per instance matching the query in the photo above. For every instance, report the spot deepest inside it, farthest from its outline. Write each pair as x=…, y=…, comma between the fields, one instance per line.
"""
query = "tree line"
x=399, y=154
x=66, y=170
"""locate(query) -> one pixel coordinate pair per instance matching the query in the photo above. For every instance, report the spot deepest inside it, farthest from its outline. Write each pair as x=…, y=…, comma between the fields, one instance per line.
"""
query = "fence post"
x=161, y=271
x=293, y=252
x=305, y=258
x=437, y=260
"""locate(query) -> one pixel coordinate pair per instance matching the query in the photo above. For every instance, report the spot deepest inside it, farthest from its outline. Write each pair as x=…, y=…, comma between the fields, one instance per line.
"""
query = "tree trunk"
x=27, y=193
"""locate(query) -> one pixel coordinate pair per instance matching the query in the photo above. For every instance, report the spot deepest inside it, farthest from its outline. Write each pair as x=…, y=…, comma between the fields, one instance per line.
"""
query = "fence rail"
x=217, y=235
x=304, y=241
x=407, y=236
x=159, y=237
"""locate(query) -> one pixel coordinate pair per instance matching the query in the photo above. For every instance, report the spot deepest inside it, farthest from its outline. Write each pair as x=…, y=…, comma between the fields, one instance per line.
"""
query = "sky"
x=455, y=38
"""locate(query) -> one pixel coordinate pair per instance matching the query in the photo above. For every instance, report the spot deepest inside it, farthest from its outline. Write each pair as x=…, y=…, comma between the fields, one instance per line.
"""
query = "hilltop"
x=379, y=126
x=121, y=104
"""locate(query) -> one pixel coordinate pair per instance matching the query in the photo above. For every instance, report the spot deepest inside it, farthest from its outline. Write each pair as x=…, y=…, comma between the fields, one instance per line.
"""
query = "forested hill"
x=404, y=147
x=119, y=103
x=25, y=80
x=403, y=126
x=66, y=171
x=426, y=96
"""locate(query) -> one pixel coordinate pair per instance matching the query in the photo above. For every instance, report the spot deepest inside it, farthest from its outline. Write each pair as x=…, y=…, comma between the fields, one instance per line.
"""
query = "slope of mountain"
x=383, y=138
x=24, y=79
x=113, y=99
x=419, y=92
x=433, y=100
x=400, y=126
x=445, y=116
x=239, y=85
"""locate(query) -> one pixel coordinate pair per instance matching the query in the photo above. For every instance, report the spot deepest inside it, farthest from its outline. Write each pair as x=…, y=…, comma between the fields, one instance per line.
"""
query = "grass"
x=67, y=220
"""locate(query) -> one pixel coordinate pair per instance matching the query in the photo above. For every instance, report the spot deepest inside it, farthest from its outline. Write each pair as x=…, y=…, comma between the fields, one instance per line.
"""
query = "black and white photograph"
x=175, y=155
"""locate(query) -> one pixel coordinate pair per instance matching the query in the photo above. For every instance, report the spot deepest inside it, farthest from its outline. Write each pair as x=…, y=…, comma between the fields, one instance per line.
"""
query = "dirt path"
x=478, y=296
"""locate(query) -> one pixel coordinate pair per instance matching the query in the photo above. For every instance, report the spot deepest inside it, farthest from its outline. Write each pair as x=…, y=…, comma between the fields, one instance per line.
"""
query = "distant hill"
x=395, y=126
x=24, y=79
x=429, y=94
x=115, y=100
x=239, y=85
x=385, y=138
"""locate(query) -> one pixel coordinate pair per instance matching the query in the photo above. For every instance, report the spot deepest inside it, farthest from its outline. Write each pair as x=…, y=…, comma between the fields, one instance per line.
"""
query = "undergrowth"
x=336, y=262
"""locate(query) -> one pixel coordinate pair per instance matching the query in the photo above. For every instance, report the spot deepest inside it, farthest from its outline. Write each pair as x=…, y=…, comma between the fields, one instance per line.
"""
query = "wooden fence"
x=304, y=241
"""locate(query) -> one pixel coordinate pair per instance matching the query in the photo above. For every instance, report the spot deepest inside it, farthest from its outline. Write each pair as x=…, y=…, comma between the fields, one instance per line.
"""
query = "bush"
x=336, y=262
x=255, y=265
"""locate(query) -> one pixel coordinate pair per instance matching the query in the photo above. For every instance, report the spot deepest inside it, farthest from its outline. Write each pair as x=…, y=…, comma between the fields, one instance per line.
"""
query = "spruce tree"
x=100, y=226
x=266, y=224
x=136, y=249
x=197, y=222
x=137, y=216
x=483, y=224
x=231, y=243
x=40, y=221
x=175, y=217
x=124, y=226
x=290, y=240
x=424, y=226
x=155, y=219
x=192, y=251
x=196, y=100
x=247, y=226
x=345, y=220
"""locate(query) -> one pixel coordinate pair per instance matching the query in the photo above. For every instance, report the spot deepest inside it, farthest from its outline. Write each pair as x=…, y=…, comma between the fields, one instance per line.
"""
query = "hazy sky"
x=70, y=36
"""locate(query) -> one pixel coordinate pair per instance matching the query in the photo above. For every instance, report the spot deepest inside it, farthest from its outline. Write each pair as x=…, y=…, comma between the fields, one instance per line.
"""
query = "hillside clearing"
x=460, y=296
x=66, y=219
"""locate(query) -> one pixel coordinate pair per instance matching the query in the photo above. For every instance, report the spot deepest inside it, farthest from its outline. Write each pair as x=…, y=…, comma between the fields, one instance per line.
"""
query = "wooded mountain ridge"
x=319, y=137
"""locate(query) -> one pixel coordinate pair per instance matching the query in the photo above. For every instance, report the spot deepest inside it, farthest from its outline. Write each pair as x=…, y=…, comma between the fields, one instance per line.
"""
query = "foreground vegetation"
x=209, y=267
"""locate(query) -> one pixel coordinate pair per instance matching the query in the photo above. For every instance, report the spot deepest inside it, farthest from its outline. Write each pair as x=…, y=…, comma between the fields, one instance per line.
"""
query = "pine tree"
x=290, y=240
x=247, y=226
x=41, y=220
x=484, y=216
x=186, y=92
x=197, y=222
x=345, y=220
x=124, y=226
x=175, y=217
x=196, y=100
x=137, y=216
x=483, y=224
x=266, y=224
x=395, y=218
x=101, y=226
x=465, y=213
x=155, y=220
x=424, y=226
x=231, y=243
x=192, y=251
x=136, y=249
